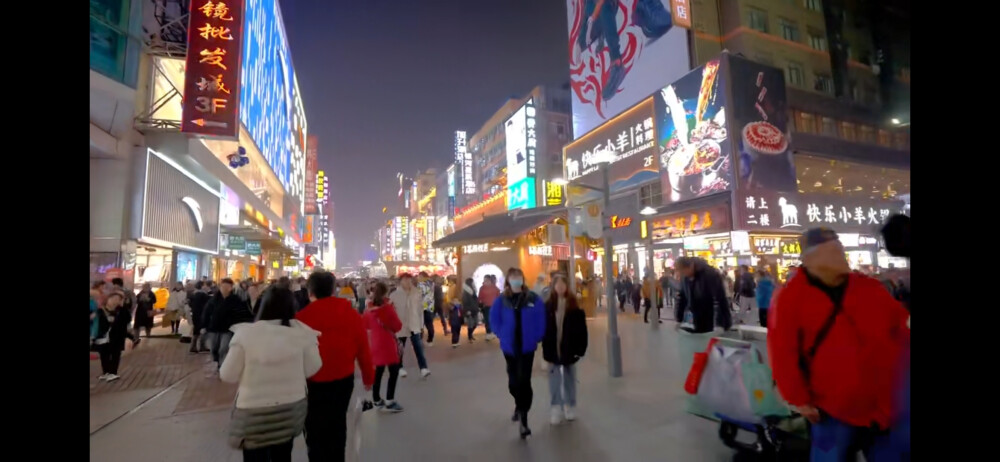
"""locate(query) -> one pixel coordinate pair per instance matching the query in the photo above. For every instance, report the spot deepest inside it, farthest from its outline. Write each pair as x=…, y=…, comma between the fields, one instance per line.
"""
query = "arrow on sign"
x=209, y=123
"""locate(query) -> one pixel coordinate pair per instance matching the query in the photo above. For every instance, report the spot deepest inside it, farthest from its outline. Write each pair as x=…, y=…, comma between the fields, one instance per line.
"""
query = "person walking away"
x=765, y=292
x=176, y=306
x=453, y=309
x=228, y=310
x=270, y=360
x=199, y=298
x=438, y=307
x=383, y=323
x=112, y=330
x=651, y=294
x=409, y=306
x=836, y=343
x=518, y=318
x=301, y=294
x=488, y=293
x=703, y=294
x=470, y=308
x=343, y=342
x=565, y=342
x=621, y=293
x=747, y=290
x=144, y=311
x=636, y=296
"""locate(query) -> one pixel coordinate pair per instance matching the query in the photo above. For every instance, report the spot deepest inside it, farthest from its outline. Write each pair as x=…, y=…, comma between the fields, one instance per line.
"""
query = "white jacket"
x=177, y=301
x=410, y=308
x=271, y=362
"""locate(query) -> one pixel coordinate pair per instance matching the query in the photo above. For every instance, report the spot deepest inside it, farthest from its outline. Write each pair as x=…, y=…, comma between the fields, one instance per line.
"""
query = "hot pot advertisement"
x=761, y=130
x=693, y=143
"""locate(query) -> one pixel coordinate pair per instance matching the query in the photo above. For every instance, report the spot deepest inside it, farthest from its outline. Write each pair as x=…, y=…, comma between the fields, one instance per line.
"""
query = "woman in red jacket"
x=383, y=323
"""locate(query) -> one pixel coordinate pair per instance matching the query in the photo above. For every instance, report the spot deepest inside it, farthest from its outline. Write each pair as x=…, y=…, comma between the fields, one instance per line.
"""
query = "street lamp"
x=604, y=159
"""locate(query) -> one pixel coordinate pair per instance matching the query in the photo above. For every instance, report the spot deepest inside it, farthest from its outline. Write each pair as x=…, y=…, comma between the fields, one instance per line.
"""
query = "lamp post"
x=614, y=342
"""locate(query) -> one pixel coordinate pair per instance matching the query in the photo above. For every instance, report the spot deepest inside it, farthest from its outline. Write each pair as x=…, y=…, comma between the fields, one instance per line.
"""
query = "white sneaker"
x=112, y=377
x=570, y=412
x=424, y=373
x=402, y=372
x=556, y=415
x=429, y=344
x=103, y=377
x=454, y=345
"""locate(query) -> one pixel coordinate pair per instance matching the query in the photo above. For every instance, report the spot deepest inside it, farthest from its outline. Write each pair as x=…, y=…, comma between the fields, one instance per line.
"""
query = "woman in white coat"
x=176, y=307
x=270, y=359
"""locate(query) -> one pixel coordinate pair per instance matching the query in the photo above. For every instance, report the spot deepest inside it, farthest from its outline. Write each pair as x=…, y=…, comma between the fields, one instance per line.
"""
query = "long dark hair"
x=280, y=305
x=378, y=297
x=553, y=301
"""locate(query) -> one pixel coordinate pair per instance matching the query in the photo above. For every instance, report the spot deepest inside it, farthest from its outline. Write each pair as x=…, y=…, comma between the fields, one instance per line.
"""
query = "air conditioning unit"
x=557, y=235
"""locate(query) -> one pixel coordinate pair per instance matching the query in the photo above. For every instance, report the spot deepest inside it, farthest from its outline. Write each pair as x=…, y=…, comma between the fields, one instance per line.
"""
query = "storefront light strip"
x=171, y=245
x=169, y=161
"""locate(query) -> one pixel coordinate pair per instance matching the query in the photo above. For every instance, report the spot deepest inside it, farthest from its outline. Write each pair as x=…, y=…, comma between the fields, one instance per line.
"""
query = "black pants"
x=111, y=356
x=621, y=303
x=649, y=304
x=444, y=322
x=429, y=325
x=519, y=382
x=175, y=326
x=390, y=392
x=762, y=316
x=274, y=453
x=326, y=422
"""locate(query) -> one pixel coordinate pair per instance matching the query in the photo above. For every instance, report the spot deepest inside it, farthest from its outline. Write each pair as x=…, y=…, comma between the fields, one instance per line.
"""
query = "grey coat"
x=253, y=428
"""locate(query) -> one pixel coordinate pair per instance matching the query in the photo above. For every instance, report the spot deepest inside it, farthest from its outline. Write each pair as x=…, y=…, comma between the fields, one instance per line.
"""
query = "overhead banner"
x=212, y=70
x=769, y=210
x=619, y=53
x=693, y=146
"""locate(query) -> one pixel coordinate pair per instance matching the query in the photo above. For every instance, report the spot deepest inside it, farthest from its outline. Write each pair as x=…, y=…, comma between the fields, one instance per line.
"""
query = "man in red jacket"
x=342, y=341
x=835, y=343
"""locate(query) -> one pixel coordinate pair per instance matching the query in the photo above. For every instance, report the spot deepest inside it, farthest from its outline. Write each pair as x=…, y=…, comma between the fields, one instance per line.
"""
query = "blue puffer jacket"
x=765, y=288
x=502, y=321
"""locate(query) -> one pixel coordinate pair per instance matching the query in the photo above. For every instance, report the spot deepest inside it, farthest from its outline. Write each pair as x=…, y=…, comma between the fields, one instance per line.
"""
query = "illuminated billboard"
x=267, y=89
x=463, y=158
x=312, y=164
x=619, y=53
x=521, y=144
x=211, y=76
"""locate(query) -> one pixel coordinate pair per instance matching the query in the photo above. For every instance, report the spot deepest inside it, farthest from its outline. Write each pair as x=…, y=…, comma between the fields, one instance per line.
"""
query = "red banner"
x=212, y=72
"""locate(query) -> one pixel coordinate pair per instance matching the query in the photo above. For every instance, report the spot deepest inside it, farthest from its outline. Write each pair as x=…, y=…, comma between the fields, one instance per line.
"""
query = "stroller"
x=731, y=379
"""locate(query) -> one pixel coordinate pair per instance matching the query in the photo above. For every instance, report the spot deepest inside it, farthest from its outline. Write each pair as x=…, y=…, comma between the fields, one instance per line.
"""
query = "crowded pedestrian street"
x=173, y=412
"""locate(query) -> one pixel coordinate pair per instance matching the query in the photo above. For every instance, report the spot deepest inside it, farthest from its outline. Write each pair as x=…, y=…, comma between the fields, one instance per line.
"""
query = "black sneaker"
x=516, y=417
x=380, y=403
x=525, y=431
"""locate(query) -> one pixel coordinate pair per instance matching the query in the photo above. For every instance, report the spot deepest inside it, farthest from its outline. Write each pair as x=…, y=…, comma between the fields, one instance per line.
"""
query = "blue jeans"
x=836, y=441
x=562, y=385
x=418, y=349
x=486, y=319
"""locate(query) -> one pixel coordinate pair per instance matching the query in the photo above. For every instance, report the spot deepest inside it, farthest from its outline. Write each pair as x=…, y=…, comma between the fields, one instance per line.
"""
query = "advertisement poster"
x=312, y=167
x=187, y=266
x=631, y=137
x=620, y=51
x=516, y=145
x=760, y=117
x=693, y=146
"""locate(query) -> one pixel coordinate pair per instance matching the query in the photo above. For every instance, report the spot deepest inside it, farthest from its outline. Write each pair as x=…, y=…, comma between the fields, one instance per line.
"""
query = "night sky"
x=385, y=84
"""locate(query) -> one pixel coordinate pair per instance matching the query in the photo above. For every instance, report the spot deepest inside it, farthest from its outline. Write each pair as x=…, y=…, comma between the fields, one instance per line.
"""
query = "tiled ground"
x=461, y=412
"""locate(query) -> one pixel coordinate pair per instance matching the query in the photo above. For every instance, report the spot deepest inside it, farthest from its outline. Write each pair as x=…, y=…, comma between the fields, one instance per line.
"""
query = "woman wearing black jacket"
x=144, y=310
x=112, y=330
x=565, y=342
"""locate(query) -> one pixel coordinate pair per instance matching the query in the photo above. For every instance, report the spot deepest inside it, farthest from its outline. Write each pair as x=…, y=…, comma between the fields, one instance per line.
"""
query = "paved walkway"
x=460, y=413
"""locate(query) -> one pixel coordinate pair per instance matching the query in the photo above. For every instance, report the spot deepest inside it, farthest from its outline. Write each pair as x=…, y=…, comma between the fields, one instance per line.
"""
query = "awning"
x=496, y=228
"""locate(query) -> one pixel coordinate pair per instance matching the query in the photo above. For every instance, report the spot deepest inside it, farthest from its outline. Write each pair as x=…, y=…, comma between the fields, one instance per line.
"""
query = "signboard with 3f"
x=212, y=71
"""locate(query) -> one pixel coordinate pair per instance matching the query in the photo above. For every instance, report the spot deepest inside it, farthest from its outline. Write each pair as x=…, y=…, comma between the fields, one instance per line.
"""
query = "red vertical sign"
x=312, y=165
x=212, y=72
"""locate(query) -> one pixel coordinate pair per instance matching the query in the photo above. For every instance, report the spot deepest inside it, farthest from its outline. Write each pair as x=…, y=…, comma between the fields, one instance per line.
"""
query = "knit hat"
x=816, y=236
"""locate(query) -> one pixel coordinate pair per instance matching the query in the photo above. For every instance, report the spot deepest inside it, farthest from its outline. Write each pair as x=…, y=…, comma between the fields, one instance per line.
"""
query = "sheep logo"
x=789, y=213
x=572, y=168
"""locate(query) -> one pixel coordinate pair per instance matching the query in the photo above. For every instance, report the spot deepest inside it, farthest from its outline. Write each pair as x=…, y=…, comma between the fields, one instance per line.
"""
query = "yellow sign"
x=553, y=194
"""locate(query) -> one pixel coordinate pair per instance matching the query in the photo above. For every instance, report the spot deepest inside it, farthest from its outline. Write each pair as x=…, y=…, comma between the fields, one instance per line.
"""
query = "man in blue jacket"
x=518, y=319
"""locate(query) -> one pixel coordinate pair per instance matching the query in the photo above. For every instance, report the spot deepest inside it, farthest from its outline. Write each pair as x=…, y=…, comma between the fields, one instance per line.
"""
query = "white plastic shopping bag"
x=722, y=389
x=353, y=449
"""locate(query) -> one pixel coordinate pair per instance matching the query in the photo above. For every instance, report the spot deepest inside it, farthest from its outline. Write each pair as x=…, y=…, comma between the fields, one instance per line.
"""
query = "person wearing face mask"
x=518, y=319
x=112, y=330
x=836, y=340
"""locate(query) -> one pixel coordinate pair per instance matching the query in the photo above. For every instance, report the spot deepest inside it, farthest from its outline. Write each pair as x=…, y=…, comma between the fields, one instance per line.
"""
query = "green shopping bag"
x=763, y=394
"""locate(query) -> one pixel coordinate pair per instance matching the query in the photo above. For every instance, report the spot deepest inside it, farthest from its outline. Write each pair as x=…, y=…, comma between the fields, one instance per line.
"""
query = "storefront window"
x=900, y=140
x=826, y=176
x=651, y=195
x=805, y=122
x=152, y=265
x=866, y=134
x=109, y=37
x=884, y=138
x=848, y=131
x=829, y=127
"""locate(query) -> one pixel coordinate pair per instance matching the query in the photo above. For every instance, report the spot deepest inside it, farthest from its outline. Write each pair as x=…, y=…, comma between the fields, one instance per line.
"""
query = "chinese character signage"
x=312, y=164
x=463, y=158
x=322, y=189
x=799, y=212
x=521, y=144
x=620, y=52
x=212, y=72
x=710, y=219
x=693, y=146
x=630, y=137
x=553, y=194
x=253, y=247
x=760, y=120
x=680, y=12
x=236, y=242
